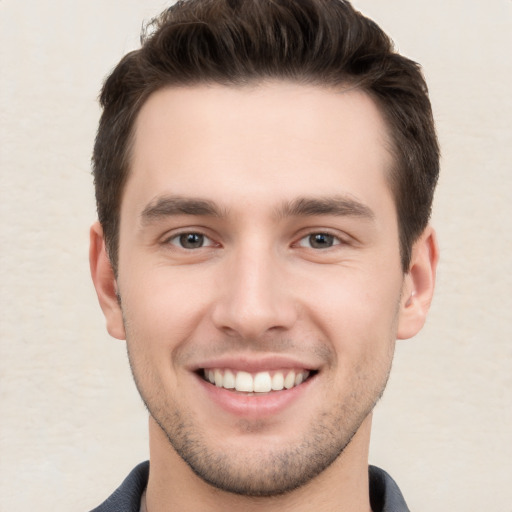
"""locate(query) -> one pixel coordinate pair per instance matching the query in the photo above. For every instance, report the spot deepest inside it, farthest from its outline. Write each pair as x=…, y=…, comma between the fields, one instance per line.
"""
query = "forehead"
x=276, y=140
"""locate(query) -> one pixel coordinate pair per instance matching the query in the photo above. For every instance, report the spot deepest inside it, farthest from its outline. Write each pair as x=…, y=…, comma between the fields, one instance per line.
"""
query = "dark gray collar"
x=385, y=496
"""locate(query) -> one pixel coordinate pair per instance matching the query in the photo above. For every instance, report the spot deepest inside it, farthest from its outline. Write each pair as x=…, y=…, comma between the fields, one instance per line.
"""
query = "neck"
x=342, y=486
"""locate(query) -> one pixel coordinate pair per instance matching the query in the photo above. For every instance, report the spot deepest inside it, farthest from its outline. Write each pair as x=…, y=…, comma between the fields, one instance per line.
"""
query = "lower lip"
x=255, y=405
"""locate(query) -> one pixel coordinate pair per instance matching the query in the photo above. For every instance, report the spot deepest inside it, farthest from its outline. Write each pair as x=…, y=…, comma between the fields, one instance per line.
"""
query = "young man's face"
x=259, y=247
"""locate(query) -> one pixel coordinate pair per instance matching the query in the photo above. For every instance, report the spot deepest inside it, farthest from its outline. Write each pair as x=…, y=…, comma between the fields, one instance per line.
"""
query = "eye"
x=190, y=240
x=319, y=241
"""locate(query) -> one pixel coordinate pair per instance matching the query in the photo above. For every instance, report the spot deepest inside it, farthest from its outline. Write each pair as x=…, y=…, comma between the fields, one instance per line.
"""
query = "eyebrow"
x=167, y=206
x=342, y=206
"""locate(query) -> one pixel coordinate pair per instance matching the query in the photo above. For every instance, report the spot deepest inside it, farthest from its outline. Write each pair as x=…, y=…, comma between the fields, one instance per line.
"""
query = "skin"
x=234, y=165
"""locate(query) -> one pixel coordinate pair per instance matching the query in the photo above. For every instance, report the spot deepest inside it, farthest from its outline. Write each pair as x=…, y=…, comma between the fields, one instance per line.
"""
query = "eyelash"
x=336, y=240
x=179, y=238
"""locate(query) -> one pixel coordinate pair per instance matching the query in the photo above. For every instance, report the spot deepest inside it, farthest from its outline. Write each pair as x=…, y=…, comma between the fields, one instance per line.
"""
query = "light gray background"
x=72, y=425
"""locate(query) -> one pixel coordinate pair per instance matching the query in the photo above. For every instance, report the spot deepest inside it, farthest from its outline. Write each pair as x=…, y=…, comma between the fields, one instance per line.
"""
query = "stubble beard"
x=257, y=475
x=262, y=474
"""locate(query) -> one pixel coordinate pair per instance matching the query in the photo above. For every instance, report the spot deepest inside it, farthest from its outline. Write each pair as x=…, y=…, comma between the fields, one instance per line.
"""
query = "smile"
x=260, y=382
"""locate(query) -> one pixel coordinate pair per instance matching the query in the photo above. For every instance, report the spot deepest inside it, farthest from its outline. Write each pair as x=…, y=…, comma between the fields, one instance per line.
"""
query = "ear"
x=418, y=286
x=105, y=282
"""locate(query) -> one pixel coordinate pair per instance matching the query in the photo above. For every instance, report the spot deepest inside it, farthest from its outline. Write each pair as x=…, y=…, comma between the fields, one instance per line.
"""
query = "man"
x=264, y=175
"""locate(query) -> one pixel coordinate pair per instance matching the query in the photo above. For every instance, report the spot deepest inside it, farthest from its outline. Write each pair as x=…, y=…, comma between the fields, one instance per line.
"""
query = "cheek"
x=362, y=330
x=163, y=307
x=357, y=312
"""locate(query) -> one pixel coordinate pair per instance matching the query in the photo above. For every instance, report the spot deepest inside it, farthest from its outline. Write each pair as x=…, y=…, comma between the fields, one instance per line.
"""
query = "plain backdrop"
x=71, y=422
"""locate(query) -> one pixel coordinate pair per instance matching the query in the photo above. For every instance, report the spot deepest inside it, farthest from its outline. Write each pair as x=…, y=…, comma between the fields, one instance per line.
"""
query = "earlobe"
x=419, y=285
x=105, y=282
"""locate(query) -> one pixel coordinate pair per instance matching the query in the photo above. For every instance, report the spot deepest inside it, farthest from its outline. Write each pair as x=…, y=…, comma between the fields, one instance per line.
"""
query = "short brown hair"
x=235, y=42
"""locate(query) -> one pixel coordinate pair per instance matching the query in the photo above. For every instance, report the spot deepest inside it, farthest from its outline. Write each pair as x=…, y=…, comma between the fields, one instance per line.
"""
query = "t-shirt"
x=385, y=496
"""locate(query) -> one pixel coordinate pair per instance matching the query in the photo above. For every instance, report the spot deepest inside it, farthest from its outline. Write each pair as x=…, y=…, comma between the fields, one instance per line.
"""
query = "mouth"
x=258, y=383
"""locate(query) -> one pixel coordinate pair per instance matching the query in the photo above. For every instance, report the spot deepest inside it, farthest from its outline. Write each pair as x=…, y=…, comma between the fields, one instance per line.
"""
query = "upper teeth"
x=261, y=382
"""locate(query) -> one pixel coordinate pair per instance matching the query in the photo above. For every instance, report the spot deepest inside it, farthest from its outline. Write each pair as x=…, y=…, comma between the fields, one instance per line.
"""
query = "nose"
x=254, y=296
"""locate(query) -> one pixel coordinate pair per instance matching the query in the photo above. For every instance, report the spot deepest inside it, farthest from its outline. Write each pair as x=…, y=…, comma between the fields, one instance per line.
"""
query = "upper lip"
x=253, y=364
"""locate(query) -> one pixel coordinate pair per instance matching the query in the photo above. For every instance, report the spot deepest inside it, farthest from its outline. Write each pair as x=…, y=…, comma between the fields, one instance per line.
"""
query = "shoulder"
x=385, y=496
x=126, y=498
